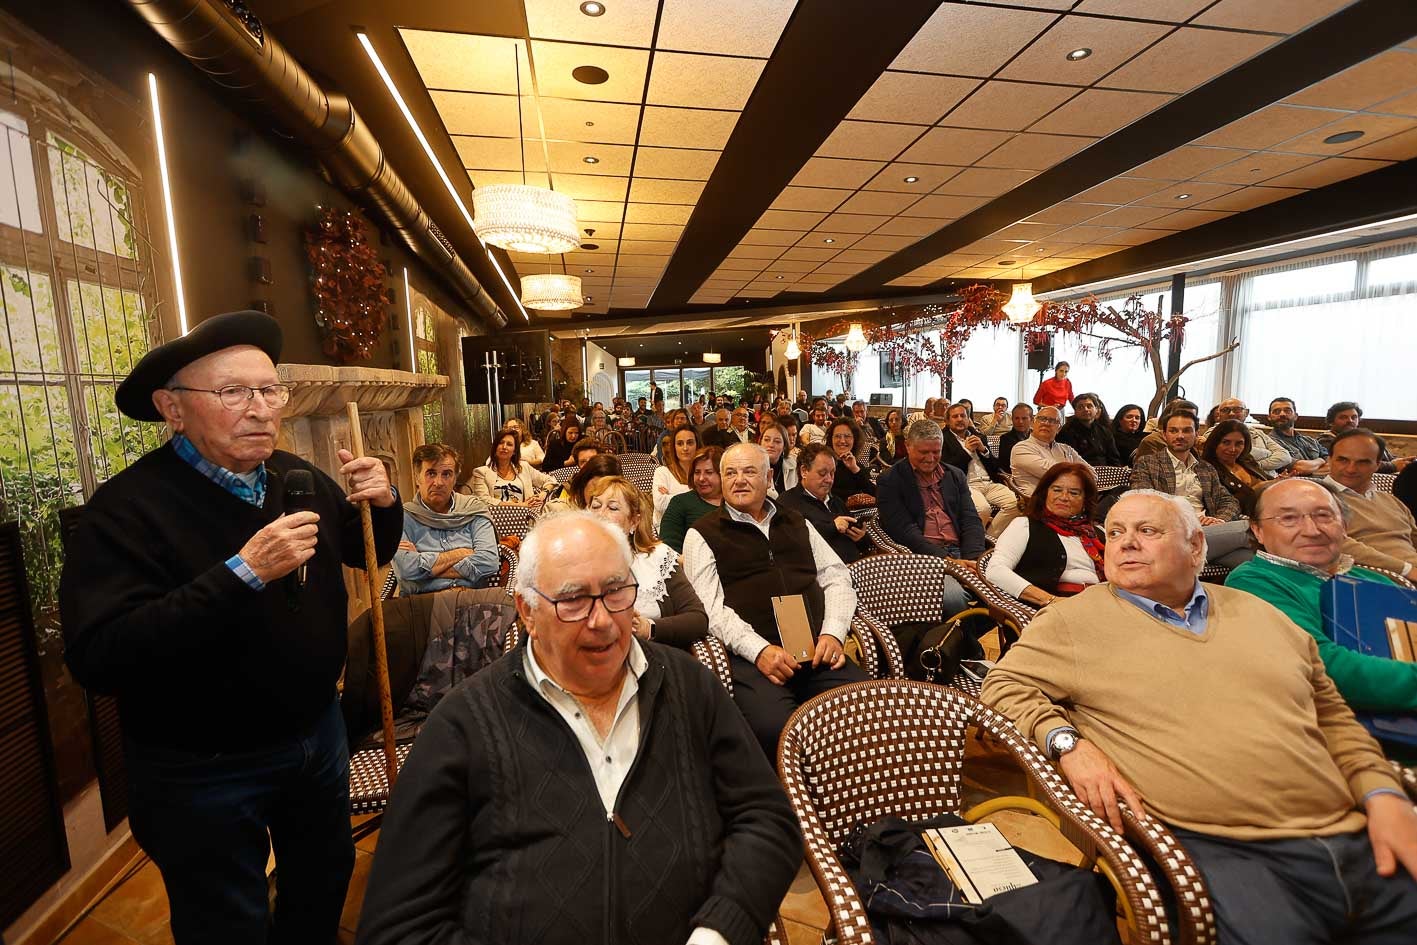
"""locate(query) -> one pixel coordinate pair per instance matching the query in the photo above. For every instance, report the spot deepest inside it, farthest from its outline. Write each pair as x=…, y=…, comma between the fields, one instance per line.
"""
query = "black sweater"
x=198, y=660
x=496, y=831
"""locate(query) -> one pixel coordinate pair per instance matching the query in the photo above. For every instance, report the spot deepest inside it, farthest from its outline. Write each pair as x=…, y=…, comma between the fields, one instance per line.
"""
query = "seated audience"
x=739, y=426
x=823, y=510
x=686, y=821
x=1178, y=472
x=1267, y=453
x=1227, y=448
x=925, y=506
x=1381, y=530
x=448, y=538
x=742, y=556
x=1346, y=415
x=666, y=608
x=1089, y=431
x=1056, y=391
x=558, y=450
x=789, y=424
x=1127, y=431
x=773, y=439
x=686, y=508
x=1032, y=457
x=507, y=479
x=921, y=414
x=1055, y=551
x=844, y=437
x=938, y=410
x=593, y=466
x=1215, y=709
x=1021, y=419
x=869, y=425
x=968, y=452
x=672, y=478
x=893, y=442
x=1309, y=457
x=600, y=430
x=1155, y=440
x=816, y=430
x=997, y=423
x=1299, y=525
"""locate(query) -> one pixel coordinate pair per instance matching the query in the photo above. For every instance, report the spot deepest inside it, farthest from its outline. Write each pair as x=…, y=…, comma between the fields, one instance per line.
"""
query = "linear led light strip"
x=167, y=205
x=408, y=317
x=432, y=158
x=1203, y=263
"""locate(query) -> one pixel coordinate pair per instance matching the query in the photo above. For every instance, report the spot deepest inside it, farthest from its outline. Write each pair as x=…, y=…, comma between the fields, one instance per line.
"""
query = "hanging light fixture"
x=551, y=291
x=521, y=218
x=793, y=350
x=712, y=357
x=1022, y=306
x=625, y=362
x=855, y=338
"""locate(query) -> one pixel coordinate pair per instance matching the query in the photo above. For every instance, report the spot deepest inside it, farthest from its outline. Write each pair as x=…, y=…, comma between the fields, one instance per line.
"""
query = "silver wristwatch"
x=1062, y=743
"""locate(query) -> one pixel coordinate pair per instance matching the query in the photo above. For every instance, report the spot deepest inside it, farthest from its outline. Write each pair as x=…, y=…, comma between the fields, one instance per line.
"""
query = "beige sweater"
x=1236, y=732
x=1381, y=532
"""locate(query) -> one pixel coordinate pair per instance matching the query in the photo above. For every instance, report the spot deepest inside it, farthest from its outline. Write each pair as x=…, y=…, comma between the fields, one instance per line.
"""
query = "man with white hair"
x=1209, y=709
x=584, y=761
x=742, y=556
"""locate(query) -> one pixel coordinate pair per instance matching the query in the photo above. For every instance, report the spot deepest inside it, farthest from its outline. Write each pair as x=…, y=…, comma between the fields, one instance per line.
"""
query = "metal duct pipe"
x=237, y=54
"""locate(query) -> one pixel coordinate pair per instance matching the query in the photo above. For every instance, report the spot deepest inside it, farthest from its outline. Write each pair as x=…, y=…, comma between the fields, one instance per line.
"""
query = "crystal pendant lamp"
x=524, y=219
x=855, y=338
x=551, y=292
x=1022, y=306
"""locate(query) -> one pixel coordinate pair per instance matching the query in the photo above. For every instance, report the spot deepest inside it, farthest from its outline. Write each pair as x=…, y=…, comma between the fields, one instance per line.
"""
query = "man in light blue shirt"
x=448, y=538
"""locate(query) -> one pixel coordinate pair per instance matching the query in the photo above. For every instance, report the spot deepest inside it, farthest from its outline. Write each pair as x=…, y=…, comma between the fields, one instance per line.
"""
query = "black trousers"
x=767, y=705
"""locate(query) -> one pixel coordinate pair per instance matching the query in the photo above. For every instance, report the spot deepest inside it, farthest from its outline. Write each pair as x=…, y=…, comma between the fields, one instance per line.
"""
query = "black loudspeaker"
x=882, y=399
x=1041, y=357
x=524, y=366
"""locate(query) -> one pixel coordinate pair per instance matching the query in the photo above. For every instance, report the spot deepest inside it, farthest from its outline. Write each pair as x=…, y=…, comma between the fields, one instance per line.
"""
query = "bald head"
x=1301, y=520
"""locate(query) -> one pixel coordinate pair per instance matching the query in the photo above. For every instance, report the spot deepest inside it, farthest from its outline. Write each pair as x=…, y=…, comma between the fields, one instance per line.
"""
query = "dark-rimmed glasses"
x=616, y=600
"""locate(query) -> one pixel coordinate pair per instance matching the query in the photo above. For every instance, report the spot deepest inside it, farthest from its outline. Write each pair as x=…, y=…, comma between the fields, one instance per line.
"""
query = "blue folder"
x=1355, y=613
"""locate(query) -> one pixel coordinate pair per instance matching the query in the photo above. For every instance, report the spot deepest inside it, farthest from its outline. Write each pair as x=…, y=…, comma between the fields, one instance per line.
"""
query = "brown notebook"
x=793, y=627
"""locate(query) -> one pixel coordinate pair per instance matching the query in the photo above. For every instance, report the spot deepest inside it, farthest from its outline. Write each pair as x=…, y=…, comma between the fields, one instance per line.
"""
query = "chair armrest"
x=713, y=654
x=890, y=660
x=883, y=542
x=1003, y=608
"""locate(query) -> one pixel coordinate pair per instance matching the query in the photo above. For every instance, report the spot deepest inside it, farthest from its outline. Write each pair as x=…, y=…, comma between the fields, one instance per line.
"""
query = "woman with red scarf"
x=1056, y=550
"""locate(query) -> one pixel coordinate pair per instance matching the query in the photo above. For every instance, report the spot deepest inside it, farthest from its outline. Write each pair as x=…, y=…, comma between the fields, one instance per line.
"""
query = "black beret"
x=135, y=394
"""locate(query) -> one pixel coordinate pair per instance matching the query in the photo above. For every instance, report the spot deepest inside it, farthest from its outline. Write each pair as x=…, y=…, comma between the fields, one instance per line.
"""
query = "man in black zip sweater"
x=586, y=788
x=181, y=596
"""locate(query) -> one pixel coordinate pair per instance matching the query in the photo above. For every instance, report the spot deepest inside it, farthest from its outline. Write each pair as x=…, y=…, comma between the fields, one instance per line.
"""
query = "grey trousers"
x=1303, y=891
x=1228, y=543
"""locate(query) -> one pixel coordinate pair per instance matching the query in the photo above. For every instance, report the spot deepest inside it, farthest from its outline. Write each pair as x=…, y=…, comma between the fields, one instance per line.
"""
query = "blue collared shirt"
x=415, y=568
x=248, y=487
x=1197, y=611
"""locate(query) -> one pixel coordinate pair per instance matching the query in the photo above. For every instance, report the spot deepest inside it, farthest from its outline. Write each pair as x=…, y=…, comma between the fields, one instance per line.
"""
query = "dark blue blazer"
x=903, y=511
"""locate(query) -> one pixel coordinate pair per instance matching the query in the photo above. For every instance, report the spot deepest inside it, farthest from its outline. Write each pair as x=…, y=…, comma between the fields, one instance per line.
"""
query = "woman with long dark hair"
x=1227, y=448
x=672, y=478
x=844, y=438
x=558, y=451
x=1128, y=430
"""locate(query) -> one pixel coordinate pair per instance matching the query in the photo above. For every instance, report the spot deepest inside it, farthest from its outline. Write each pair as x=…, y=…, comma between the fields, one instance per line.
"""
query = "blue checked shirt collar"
x=1197, y=611
x=248, y=487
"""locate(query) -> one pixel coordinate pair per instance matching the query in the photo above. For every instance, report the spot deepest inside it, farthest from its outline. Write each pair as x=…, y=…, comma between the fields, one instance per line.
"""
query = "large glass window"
x=697, y=383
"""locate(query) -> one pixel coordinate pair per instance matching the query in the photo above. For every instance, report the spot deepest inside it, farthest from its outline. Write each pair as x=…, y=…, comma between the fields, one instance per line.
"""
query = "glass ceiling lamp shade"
x=793, y=350
x=1022, y=306
x=712, y=357
x=551, y=292
x=855, y=338
x=625, y=362
x=524, y=219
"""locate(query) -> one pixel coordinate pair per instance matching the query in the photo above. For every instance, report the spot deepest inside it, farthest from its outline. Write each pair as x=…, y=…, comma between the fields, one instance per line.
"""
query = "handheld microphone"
x=299, y=497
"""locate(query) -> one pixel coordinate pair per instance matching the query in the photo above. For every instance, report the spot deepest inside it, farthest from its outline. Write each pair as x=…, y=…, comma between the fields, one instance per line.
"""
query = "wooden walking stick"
x=371, y=574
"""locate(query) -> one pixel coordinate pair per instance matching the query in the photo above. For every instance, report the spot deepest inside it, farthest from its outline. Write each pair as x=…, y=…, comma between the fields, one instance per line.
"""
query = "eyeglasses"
x=1047, y=421
x=1322, y=518
x=237, y=396
x=615, y=600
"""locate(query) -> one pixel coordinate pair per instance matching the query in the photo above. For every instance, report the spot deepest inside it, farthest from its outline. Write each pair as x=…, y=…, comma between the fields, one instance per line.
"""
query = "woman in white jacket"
x=506, y=479
x=673, y=477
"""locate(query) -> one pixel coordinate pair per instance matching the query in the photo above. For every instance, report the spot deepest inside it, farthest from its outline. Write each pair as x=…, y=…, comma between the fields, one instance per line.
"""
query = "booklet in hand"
x=793, y=627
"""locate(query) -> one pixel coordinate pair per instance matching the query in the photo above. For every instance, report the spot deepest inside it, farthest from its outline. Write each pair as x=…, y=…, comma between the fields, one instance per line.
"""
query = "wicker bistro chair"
x=639, y=468
x=564, y=474
x=511, y=521
x=1010, y=613
x=1110, y=477
x=882, y=541
x=877, y=749
x=505, y=556
x=1383, y=482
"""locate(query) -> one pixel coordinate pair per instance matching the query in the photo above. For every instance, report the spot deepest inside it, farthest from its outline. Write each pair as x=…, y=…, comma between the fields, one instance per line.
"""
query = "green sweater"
x=684, y=510
x=1369, y=683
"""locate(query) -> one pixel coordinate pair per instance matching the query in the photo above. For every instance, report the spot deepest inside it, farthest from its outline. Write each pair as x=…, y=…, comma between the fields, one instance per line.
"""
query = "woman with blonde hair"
x=531, y=451
x=673, y=477
x=667, y=609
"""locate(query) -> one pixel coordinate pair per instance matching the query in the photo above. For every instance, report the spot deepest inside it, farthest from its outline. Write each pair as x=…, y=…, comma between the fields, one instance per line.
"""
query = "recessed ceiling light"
x=591, y=159
x=828, y=240
x=1183, y=196
x=590, y=246
x=589, y=75
x=1006, y=262
x=588, y=298
x=590, y=124
x=911, y=179
x=1077, y=54
x=592, y=8
x=642, y=344
x=1343, y=137
x=777, y=277
x=587, y=270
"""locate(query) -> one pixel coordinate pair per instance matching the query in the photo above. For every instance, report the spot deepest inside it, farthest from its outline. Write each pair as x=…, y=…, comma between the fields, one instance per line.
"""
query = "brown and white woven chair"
x=896, y=748
x=563, y=475
x=511, y=521
x=1383, y=481
x=639, y=468
x=1010, y=613
x=1110, y=477
x=882, y=541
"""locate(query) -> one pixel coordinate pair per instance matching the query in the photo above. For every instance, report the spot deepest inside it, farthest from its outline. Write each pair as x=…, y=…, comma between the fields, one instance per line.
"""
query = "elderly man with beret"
x=588, y=787
x=204, y=589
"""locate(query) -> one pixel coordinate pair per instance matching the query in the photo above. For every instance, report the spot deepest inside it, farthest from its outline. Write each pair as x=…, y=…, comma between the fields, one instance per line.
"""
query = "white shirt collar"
x=635, y=660
x=1372, y=489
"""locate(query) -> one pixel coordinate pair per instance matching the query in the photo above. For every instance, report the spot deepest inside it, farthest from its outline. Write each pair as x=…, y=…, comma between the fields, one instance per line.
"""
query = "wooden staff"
x=371, y=574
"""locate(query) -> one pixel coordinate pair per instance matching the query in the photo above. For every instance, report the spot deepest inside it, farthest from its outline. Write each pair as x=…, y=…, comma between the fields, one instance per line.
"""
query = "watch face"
x=1064, y=743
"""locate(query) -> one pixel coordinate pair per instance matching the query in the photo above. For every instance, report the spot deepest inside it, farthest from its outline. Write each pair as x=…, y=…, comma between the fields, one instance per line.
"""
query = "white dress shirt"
x=1188, y=486
x=736, y=633
x=976, y=471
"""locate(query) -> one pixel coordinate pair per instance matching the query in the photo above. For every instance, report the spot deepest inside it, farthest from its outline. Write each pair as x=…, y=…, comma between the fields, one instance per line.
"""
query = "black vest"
x=1044, y=558
x=754, y=569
